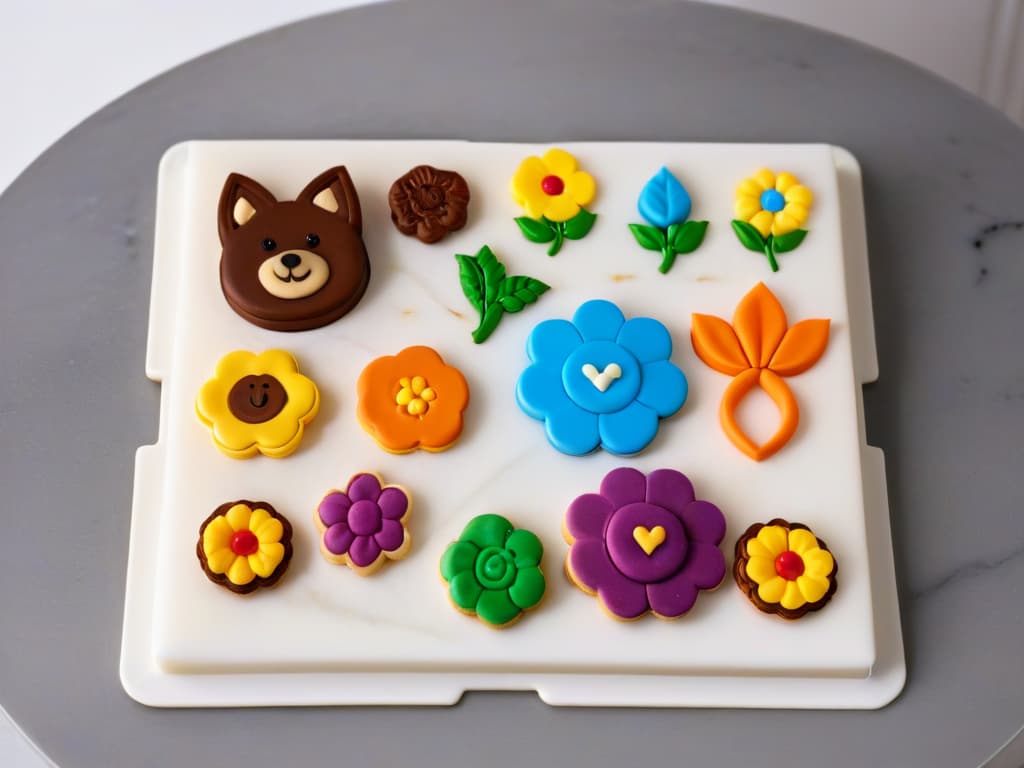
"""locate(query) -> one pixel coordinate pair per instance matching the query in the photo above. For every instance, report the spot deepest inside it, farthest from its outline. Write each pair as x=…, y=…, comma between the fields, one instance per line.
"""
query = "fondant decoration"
x=292, y=265
x=665, y=204
x=553, y=192
x=429, y=203
x=493, y=571
x=412, y=400
x=644, y=544
x=491, y=292
x=600, y=380
x=783, y=568
x=758, y=349
x=245, y=545
x=257, y=404
x=769, y=211
x=365, y=525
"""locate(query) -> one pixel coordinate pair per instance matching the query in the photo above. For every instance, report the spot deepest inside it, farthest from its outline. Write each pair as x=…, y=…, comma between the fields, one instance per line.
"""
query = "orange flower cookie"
x=412, y=400
x=257, y=404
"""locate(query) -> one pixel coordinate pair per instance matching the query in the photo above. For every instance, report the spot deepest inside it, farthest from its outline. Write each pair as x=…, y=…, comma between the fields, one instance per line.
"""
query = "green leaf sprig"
x=770, y=246
x=544, y=230
x=491, y=292
x=684, y=237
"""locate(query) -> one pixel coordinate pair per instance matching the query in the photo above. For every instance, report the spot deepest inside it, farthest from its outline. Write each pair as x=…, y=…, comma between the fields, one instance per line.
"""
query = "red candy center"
x=552, y=185
x=245, y=543
x=789, y=565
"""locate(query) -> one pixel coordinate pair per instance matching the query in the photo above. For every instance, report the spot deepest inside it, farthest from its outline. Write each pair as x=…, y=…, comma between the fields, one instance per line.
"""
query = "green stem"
x=489, y=319
x=770, y=253
x=669, y=258
x=559, y=230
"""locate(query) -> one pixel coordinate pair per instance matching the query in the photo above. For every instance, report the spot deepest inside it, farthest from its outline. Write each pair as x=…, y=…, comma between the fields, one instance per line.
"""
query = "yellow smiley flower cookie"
x=257, y=404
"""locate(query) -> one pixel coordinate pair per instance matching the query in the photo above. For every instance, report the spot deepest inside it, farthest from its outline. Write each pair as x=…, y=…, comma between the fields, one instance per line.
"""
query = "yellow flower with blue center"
x=771, y=210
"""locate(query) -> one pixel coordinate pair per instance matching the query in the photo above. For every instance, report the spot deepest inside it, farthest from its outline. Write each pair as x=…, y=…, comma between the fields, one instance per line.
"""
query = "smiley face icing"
x=257, y=404
x=292, y=265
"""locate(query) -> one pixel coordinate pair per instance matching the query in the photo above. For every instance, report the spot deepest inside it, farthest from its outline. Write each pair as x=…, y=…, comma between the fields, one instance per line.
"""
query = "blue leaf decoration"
x=664, y=201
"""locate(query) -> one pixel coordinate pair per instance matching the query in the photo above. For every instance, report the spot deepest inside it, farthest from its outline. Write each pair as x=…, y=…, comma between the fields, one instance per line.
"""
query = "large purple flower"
x=364, y=525
x=644, y=543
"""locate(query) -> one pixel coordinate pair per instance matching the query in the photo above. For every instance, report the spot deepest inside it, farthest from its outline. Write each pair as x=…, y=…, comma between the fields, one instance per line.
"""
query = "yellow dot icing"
x=415, y=395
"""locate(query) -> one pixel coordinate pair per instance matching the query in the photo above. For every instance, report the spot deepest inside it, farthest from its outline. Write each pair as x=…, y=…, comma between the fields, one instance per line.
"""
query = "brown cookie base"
x=302, y=323
x=259, y=581
x=749, y=587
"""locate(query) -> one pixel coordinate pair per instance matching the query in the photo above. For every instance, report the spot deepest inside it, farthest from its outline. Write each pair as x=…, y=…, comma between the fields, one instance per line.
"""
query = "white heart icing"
x=603, y=379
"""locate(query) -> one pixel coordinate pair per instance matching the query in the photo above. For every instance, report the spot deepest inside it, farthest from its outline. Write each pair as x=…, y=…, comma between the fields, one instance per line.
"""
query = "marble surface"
x=945, y=224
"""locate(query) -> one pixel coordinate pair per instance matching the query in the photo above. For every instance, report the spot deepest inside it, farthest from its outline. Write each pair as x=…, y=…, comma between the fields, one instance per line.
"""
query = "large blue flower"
x=600, y=381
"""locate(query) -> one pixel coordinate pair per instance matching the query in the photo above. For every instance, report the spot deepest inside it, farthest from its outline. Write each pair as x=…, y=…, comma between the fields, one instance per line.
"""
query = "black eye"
x=312, y=240
x=268, y=245
x=252, y=386
x=266, y=386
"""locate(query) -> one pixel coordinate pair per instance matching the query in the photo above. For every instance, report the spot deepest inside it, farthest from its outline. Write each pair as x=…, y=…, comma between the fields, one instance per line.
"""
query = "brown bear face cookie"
x=292, y=265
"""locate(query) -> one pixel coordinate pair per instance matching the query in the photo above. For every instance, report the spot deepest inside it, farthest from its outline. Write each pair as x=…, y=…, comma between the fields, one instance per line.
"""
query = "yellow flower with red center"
x=784, y=568
x=552, y=186
x=245, y=545
x=553, y=191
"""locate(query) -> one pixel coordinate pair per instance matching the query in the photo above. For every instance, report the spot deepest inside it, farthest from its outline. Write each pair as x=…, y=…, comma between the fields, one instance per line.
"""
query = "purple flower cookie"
x=644, y=543
x=364, y=525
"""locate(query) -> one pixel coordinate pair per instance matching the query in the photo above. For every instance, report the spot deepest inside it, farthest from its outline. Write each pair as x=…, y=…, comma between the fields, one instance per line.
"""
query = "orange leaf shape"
x=800, y=348
x=779, y=392
x=760, y=323
x=716, y=344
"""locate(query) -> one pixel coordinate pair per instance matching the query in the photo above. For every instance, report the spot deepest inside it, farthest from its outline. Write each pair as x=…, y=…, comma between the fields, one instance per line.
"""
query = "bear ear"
x=240, y=200
x=333, y=191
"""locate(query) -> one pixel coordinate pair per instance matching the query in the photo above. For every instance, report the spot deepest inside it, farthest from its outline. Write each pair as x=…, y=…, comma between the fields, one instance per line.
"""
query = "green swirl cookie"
x=493, y=570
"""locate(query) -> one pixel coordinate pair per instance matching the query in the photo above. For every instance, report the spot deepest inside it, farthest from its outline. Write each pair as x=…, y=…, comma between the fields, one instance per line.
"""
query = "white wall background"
x=61, y=60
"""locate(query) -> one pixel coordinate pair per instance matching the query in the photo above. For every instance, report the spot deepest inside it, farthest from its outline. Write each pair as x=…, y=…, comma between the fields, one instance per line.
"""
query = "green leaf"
x=491, y=292
x=513, y=283
x=748, y=235
x=651, y=238
x=488, y=323
x=578, y=226
x=526, y=289
x=527, y=292
x=535, y=230
x=472, y=279
x=511, y=303
x=788, y=241
x=687, y=237
x=493, y=273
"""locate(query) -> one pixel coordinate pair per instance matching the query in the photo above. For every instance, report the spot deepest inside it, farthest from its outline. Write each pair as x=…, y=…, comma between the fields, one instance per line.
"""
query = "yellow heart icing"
x=649, y=539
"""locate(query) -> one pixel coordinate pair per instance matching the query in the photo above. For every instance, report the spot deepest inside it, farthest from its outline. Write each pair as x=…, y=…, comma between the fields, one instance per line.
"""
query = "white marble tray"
x=327, y=636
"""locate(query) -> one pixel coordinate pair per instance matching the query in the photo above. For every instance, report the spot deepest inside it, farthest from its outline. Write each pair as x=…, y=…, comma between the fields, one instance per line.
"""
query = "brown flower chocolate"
x=429, y=203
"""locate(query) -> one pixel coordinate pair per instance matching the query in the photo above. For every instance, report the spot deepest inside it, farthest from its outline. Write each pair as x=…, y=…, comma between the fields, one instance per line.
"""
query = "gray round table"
x=943, y=177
